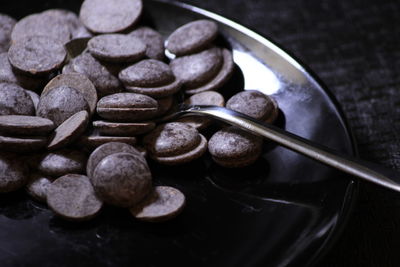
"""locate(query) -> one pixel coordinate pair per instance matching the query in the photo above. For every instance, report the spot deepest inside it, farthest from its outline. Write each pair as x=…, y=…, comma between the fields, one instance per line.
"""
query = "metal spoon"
x=365, y=170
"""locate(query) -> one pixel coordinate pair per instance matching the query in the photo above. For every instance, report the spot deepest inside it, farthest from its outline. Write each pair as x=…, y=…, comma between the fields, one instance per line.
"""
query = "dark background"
x=354, y=47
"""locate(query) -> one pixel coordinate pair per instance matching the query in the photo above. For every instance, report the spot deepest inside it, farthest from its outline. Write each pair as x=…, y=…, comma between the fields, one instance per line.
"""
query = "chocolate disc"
x=163, y=204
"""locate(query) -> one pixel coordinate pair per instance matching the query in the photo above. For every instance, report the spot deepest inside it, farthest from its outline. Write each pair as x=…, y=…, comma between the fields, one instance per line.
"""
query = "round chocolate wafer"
x=14, y=100
x=69, y=131
x=37, y=55
x=233, y=147
x=117, y=48
x=220, y=79
x=102, y=78
x=72, y=197
x=79, y=82
x=197, y=69
x=163, y=204
x=192, y=37
x=153, y=40
x=7, y=74
x=108, y=16
x=41, y=25
x=147, y=73
x=127, y=107
x=61, y=103
x=254, y=104
x=122, y=179
x=105, y=150
x=62, y=162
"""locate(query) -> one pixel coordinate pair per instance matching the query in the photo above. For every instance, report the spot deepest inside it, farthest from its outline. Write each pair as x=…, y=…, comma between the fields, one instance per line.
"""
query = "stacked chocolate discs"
x=76, y=117
x=197, y=62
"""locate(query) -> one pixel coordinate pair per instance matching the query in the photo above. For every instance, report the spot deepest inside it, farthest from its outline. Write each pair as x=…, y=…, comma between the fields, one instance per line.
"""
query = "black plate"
x=285, y=210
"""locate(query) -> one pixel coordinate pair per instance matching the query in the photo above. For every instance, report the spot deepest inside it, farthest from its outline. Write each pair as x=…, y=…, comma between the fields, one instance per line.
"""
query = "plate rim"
x=352, y=189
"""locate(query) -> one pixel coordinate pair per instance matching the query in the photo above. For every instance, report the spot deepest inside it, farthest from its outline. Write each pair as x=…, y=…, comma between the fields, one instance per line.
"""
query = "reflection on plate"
x=284, y=210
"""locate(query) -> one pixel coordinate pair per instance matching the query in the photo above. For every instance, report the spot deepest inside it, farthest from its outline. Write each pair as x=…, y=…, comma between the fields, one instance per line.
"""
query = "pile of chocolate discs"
x=77, y=132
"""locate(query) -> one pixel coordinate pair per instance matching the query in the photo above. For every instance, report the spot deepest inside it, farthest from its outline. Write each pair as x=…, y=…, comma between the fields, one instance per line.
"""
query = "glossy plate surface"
x=285, y=210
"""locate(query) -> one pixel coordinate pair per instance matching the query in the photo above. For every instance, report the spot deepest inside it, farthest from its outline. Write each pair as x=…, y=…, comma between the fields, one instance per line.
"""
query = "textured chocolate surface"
x=127, y=107
x=63, y=162
x=163, y=204
x=7, y=74
x=147, y=73
x=79, y=82
x=122, y=179
x=102, y=78
x=197, y=69
x=37, y=55
x=76, y=27
x=117, y=48
x=153, y=40
x=192, y=37
x=61, y=103
x=25, y=125
x=224, y=74
x=41, y=25
x=73, y=198
x=171, y=139
x=69, y=131
x=233, y=147
x=6, y=25
x=105, y=150
x=108, y=16
x=254, y=104
x=14, y=100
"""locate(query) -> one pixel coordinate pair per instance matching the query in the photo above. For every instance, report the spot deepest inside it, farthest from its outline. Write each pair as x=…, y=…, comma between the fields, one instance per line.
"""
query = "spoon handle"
x=365, y=170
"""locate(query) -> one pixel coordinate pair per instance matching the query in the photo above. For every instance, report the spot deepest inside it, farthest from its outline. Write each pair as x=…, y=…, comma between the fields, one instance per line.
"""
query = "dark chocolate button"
x=192, y=37
x=108, y=16
x=77, y=81
x=61, y=103
x=147, y=73
x=14, y=100
x=122, y=179
x=254, y=104
x=104, y=80
x=232, y=147
x=153, y=40
x=41, y=25
x=72, y=197
x=127, y=107
x=198, y=69
x=37, y=55
x=63, y=162
x=220, y=79
x=163, y=204
x=69, y=131
x=117, y=48
x=105, y=150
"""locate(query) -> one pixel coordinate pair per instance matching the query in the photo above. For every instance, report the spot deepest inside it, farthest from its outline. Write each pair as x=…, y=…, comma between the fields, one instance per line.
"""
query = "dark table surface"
x=354, y=47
